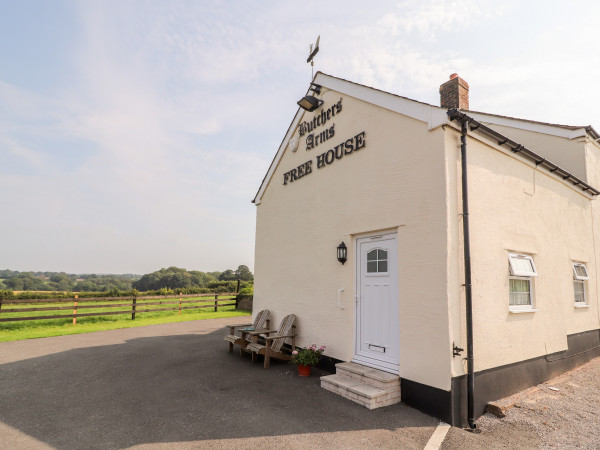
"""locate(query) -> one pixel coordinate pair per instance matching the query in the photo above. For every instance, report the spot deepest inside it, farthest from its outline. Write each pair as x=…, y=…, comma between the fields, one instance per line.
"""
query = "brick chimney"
x=454, y=93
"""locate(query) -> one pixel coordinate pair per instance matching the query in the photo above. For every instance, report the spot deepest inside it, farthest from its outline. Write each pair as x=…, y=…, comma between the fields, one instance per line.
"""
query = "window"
x=520, y=292
x=377, y=261
x=522, y=271
x=521, y=265
x=580, y=276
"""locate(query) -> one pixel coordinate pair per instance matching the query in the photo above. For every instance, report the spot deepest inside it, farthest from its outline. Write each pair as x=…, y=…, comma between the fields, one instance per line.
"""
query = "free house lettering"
x=347, y=147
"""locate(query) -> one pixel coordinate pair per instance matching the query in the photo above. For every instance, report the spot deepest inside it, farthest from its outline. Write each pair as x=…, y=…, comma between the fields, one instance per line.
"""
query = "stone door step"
x=366, y=386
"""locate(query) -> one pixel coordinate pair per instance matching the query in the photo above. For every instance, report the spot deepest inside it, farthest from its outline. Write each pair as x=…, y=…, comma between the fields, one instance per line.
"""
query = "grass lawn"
x=31, y=329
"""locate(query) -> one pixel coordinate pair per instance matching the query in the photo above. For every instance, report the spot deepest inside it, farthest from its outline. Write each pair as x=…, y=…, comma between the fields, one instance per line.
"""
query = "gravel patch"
x=561, y=413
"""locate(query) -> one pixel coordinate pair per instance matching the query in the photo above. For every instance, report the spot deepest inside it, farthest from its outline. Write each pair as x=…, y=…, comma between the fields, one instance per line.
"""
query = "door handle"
x=340, y=290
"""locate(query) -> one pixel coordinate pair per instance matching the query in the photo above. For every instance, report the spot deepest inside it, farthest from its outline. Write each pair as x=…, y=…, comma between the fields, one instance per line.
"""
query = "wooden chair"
x=261, y=322
x=273, y=347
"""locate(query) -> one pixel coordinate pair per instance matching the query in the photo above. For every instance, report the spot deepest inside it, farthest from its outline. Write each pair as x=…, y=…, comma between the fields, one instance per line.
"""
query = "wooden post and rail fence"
x=148, y=304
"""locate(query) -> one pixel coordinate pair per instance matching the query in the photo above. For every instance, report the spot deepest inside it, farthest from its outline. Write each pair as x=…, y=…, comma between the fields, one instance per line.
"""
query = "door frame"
x=360, y=359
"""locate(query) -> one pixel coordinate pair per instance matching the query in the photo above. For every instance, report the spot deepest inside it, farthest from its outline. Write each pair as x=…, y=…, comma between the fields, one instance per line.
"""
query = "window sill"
x=581, y=306
x=522, y=311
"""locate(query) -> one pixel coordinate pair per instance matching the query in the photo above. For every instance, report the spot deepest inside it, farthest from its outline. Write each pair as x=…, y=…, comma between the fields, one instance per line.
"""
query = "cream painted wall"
x=515, y=207
x=396, y=182
x=455, y=261
x=592, y=156
x=567, y=153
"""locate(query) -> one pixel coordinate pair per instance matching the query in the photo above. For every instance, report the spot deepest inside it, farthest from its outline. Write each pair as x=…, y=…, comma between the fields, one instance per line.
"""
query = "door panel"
x=377, y=308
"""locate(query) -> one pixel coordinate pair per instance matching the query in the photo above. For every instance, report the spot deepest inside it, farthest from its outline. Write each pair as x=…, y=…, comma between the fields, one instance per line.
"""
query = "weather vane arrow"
x=313, y=52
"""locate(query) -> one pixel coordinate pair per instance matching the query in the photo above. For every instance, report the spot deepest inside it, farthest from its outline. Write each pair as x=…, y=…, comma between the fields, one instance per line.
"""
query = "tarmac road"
x=176, y=386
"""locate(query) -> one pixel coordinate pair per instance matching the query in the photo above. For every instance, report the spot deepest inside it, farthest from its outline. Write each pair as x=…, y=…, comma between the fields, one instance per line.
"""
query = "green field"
x=31, y=329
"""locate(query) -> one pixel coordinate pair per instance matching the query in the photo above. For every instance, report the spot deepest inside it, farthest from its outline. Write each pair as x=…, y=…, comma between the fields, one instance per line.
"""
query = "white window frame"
x=580, y=277
x=517, y=273
x=514, y=270
x=378, y=274
x=582, y=281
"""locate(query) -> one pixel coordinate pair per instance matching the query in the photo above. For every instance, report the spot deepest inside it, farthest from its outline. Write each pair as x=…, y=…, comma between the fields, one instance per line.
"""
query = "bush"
x=6, y=294
x=216, y=287
x=249, y=290
x=166, y=291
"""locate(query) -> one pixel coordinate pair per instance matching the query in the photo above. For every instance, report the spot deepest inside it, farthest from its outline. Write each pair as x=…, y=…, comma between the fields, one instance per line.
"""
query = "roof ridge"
x=588, y=128
x=376, y=89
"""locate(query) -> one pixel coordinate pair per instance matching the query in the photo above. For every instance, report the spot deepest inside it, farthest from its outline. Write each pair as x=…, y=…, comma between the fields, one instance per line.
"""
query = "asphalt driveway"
x=175, y=385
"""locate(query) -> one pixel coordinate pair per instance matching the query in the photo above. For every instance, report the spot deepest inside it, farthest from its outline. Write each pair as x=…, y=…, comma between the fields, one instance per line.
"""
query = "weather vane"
x=312, y=54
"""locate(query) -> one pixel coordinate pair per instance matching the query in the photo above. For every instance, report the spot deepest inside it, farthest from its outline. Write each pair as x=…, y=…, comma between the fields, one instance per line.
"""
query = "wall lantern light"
x=310, y=103
x=342, y=253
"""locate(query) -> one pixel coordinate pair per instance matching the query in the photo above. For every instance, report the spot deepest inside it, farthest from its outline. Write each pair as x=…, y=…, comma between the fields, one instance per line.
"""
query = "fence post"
x=133, y=302
x=237, y=289
x=180, y=302
x=75, y=310
x=216, y=301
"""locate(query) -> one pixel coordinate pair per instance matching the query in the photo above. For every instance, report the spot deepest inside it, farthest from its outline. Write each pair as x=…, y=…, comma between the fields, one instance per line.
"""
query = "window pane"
x=372, y=255
x=580, y=271
x=371, y=266
x=522, y=266
x=519, y=292
x=382, y=254
x=579, y=291
x=519, y=285
x=519, y=299
x=382, y=266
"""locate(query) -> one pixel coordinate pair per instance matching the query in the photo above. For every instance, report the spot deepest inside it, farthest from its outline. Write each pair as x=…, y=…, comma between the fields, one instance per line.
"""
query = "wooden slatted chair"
x=273, y=347
x=261, y=322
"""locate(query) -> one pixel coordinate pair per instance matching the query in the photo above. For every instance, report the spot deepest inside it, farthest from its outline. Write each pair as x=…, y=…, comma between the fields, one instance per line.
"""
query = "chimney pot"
x=454, y=93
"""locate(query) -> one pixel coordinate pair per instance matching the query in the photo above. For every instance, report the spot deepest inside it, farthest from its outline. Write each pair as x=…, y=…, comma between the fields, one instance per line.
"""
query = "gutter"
x=515, y=147
x=593, y=134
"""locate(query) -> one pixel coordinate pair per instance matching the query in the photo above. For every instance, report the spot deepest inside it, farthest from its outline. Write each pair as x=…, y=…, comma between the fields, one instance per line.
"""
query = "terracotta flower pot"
x=303, y=371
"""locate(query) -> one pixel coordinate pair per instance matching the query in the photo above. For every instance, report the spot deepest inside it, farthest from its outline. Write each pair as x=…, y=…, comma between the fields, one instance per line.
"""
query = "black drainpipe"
x=467, y=256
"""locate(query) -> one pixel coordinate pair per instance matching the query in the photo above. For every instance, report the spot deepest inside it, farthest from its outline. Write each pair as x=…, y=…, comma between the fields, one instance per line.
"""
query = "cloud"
x=429, y=18
x=167, y=118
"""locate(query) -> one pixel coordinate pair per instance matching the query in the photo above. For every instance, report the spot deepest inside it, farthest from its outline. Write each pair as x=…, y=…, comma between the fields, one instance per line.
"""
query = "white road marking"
x=436, y=439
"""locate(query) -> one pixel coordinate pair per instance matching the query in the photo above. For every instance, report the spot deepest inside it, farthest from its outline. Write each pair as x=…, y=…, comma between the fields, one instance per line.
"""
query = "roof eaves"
x=593, y=133
x=515, y=147
x=276, y=158
x=565, y=131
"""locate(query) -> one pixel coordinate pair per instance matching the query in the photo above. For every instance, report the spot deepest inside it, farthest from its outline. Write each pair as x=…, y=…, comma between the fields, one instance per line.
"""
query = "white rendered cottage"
x=382, y=174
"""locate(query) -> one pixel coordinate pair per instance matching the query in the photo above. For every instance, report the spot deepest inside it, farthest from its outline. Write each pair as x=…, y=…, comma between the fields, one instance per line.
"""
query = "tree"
x=228, y=275
x=171, y=278
x=58, y=277
x=201, y=279
x=243, y=273
x=65, y=285
x=85, y=286
x=16, y=284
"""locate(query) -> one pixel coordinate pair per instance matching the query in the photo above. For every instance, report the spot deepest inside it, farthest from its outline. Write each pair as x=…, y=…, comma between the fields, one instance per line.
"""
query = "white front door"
x=377, y=305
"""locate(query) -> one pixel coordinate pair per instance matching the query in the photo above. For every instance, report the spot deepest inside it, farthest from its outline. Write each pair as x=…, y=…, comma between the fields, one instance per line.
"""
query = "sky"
x=134, y=134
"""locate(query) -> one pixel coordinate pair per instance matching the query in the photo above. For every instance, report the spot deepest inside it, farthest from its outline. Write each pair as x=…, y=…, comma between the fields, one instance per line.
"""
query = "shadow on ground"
x=173, y=389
